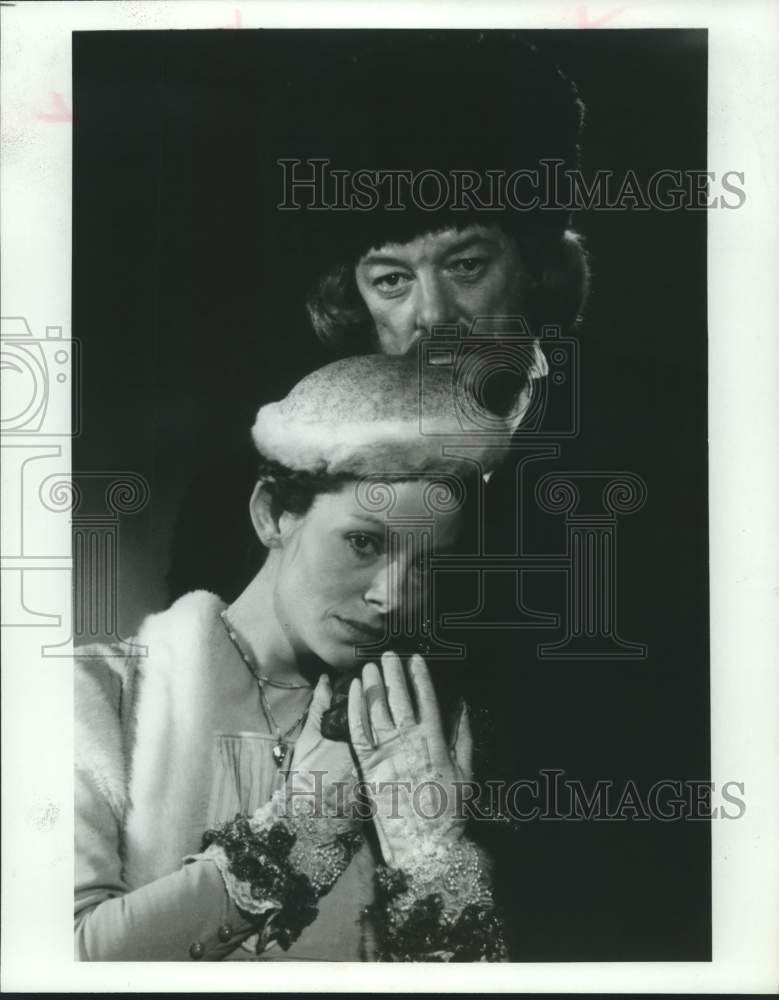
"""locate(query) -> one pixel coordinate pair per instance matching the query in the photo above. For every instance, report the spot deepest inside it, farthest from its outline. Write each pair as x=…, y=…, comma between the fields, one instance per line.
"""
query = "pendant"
x=280, y=752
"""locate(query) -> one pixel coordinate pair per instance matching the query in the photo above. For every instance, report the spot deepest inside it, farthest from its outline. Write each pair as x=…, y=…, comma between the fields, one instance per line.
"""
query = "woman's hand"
x=322, y=770
x=433, y=901
x=414, y=780
x=307, y=828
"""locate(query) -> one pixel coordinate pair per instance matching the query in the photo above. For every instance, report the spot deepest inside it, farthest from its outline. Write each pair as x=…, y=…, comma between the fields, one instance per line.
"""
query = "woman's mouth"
x=361, y=630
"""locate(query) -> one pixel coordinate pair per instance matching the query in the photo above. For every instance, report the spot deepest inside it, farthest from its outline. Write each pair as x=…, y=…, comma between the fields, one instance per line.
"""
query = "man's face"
x=339, y=581
x=445, y=278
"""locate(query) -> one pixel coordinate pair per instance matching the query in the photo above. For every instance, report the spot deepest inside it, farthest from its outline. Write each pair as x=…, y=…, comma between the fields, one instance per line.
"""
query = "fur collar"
x=144, y=730
x=176, y=713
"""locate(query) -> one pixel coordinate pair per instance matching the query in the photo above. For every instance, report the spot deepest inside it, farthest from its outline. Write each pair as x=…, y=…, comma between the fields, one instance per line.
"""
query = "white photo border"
x=743, y=261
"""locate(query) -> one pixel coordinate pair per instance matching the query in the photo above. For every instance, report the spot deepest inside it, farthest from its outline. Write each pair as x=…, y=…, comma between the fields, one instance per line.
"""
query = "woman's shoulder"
x=100, y=673
x=104, y=672
x=103, y=676
x=109, y=682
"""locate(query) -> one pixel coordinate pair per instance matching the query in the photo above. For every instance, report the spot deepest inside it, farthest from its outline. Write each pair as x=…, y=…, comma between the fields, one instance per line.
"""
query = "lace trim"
x=324, y=842
x=439, y=907
x=276, y=864
x=457, y=872
x=239, y=891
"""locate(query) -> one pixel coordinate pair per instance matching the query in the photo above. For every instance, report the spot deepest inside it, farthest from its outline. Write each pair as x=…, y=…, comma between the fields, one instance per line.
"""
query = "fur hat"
x=377, y=414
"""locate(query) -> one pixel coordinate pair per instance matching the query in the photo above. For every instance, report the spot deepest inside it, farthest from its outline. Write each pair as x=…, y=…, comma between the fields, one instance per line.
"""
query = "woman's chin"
x=345, y=663
x=342, y=655
x=339, y=657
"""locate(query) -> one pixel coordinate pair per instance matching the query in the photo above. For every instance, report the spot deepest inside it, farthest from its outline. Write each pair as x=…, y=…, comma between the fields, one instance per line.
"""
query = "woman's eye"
x=421, y=564
x=362, y=544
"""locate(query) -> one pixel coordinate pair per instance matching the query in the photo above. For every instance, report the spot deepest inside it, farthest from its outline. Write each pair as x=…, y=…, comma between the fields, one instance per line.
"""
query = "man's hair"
x=478, y=102
x=556, y=263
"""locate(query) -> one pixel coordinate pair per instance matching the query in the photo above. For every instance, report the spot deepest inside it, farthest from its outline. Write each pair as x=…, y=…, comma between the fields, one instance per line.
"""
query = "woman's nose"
x=388, y=589
x=379, y=589
x=394, y=590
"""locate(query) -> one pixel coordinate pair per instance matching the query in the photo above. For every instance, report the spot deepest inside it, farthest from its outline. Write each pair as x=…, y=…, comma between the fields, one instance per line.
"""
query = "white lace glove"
x=414, y=780
x=434, y=901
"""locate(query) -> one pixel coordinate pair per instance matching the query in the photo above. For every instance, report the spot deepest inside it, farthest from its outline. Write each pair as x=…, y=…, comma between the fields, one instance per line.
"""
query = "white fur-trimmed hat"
x=373, y=414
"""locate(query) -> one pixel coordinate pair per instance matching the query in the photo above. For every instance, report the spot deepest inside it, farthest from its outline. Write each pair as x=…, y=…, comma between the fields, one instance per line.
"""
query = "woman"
x=214, y=818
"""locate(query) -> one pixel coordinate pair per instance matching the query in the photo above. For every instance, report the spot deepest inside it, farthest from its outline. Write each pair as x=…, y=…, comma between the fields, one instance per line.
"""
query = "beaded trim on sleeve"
x=277, y=863
x=438, y=908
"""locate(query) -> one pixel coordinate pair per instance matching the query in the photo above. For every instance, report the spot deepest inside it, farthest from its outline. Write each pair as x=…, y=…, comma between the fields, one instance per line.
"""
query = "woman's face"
x=343, y=572
x=445, y=278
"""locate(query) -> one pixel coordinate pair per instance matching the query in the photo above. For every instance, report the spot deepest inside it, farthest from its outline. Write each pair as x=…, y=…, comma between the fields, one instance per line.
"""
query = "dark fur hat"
x=455, y=103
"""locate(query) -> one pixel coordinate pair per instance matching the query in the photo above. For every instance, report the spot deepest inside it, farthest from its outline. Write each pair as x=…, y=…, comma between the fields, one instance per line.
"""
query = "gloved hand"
x=315, y=803
x=414, y=780
x=322, y=771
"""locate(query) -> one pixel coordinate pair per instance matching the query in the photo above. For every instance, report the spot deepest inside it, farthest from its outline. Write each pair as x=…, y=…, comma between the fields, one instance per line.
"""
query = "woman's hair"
x=294, y=492
x=557, y=264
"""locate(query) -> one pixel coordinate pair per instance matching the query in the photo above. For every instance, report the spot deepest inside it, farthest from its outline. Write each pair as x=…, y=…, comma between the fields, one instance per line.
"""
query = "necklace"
x=280, y=747
x=250, y=662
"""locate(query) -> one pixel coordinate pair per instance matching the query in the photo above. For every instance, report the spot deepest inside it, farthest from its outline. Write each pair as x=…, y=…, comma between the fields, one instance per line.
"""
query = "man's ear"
x=266, y=514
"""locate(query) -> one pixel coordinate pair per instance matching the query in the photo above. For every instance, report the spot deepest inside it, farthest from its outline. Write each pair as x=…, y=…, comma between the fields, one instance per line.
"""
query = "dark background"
x=187, y=302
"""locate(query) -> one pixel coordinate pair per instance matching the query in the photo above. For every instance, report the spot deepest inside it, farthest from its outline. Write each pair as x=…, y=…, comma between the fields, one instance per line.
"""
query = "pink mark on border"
x=584, y=21
x=60, y=111
x=236, y=22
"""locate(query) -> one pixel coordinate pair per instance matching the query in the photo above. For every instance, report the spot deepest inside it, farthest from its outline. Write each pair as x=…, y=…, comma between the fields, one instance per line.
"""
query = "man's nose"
x=434, y=306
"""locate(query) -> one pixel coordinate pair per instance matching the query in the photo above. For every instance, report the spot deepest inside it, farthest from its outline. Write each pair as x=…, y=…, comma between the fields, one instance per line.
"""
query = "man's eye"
x=469, y=265
x=362, y=544
x=393, y=280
